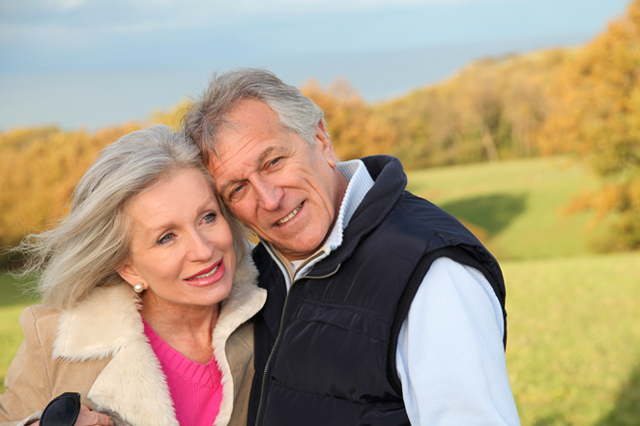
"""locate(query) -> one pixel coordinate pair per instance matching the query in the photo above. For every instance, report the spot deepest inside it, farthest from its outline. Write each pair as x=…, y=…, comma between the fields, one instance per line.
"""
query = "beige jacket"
x=99, y=348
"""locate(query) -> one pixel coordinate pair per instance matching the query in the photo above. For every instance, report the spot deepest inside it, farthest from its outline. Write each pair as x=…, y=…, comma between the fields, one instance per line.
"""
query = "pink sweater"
x=196, y=389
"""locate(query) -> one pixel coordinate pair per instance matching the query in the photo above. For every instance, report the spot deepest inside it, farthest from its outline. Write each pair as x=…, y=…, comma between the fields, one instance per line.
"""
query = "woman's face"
x=181, y=245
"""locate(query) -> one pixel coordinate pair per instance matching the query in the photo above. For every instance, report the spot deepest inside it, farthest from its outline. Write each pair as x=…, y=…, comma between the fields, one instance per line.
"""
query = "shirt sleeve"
x=450, y=355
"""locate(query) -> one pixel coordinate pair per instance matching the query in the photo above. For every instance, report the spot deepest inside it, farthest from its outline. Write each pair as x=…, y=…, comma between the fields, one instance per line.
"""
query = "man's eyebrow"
x=223, y=189
x=263, y=155
x=267, y=152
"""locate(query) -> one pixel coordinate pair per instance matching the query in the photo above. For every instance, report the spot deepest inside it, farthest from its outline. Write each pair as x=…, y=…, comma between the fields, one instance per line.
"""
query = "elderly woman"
x=148, y=291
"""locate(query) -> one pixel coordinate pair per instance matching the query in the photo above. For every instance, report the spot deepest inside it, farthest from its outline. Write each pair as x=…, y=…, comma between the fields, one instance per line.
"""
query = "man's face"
x=286, y=191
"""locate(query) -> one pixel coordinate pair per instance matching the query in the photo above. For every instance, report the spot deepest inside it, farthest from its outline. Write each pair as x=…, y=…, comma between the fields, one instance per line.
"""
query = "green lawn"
x=12, y=302
x=573, y=350
x=516, y=202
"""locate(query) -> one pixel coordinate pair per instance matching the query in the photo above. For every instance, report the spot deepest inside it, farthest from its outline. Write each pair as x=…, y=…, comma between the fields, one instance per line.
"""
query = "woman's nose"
x=201, y=249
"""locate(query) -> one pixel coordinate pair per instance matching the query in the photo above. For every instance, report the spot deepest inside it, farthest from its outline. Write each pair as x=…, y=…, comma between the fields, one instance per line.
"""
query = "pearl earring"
x=138, y=288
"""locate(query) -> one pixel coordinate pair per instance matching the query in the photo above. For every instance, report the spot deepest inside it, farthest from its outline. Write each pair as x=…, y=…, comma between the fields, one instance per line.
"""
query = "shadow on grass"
x=626, y=411
x=492, y=212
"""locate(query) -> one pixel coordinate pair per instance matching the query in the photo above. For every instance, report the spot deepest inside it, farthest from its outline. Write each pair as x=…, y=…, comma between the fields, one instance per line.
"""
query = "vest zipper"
x=275, y=344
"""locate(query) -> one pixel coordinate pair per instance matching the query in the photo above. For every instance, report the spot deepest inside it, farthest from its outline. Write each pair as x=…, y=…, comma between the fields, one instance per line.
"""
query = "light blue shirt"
x=450, y=356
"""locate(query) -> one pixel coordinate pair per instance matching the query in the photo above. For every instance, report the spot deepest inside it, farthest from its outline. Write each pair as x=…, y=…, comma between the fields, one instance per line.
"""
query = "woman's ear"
x=129, y=274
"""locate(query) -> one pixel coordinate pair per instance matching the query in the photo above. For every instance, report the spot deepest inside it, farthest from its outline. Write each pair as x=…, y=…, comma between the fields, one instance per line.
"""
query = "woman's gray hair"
x=86, y=247
x=207, y=115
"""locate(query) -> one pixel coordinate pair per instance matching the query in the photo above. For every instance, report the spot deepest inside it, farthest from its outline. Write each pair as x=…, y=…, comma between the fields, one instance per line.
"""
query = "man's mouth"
x=290, y=216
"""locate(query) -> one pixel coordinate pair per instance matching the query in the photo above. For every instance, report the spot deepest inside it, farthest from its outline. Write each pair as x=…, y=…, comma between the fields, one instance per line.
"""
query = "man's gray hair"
x=207, y=115
x=86, y=247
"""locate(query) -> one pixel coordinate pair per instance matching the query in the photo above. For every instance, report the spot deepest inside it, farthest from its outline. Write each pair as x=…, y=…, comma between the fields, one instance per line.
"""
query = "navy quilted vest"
x=325, y=353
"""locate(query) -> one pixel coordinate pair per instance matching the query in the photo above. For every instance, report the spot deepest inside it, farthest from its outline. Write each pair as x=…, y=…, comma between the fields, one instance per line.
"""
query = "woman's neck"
x=186, y=328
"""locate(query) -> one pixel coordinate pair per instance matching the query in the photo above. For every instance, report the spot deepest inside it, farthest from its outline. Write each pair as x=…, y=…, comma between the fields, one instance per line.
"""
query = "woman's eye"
x=165, y=239
x=210, y=217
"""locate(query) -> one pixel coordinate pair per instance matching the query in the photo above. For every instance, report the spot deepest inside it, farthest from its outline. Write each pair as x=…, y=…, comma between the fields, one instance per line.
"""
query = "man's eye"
x=236, y=191
x=165, y=239
x=275, y=161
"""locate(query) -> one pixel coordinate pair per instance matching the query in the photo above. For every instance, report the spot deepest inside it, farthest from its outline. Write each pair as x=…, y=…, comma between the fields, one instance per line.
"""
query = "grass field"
x=573, y=351
x=11, y=305
x=516, y=203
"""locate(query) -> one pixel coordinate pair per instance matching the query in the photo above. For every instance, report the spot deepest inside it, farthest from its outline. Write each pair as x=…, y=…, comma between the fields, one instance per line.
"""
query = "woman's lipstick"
x=207, y=276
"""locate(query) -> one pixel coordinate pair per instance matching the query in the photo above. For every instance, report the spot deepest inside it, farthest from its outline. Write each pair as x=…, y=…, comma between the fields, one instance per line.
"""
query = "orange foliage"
x=39, y=169
x=596, y=101
x=596, y=115
x=354, y=129
x=490, y=110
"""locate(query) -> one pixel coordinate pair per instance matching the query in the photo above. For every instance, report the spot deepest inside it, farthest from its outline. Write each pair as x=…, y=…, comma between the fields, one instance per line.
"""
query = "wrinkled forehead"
x=239, y=154
x=247, y=115
x=250, y=124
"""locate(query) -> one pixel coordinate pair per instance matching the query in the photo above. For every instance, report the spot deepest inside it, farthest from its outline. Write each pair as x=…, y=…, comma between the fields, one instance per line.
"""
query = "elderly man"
x=382, y=308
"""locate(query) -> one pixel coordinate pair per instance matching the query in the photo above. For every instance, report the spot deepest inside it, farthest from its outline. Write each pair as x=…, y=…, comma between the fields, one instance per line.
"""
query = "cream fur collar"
x=108, y=324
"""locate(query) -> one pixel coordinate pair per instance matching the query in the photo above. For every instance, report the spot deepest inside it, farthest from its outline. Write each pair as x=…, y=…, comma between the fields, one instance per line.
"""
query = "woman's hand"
x=89, y=418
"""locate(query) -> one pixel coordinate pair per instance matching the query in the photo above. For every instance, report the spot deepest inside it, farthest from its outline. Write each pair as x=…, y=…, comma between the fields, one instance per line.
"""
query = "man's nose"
x=269, y=194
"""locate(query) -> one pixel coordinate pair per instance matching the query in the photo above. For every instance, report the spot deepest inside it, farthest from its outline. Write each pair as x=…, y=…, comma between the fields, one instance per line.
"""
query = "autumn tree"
x=355, y=130
x=488, y=111
x=596, y=115
x=39, y=168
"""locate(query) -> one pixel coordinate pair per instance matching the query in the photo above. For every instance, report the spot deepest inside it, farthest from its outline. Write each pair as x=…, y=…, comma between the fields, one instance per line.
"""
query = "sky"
x=93, y=63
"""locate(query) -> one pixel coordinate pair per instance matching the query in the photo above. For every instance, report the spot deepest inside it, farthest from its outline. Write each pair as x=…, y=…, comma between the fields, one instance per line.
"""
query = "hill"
x=488, y=111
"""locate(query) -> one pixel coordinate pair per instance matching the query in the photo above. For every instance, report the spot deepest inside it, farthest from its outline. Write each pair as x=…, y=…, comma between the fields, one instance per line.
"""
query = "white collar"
x=360, y=182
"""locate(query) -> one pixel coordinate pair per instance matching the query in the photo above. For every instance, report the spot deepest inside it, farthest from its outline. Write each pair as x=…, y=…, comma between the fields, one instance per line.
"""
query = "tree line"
x=594, y=113
x=583, y=101
x=489, y=111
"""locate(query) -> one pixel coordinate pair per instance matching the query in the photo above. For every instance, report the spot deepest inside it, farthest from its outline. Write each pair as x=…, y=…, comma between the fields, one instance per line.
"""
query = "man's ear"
x=323, y=141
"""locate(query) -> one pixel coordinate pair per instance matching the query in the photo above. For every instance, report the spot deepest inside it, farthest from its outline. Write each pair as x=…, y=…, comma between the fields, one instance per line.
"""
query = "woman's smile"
x=208, y=276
